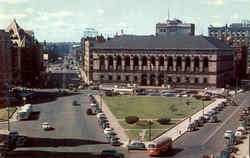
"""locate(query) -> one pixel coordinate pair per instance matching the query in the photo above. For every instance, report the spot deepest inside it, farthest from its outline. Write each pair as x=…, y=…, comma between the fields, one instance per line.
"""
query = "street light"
x=150, y=123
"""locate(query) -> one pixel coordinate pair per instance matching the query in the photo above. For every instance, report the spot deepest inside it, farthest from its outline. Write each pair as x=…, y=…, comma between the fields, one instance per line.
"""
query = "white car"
x=239, y=134
x=46, y=126
x=108, y=130
x=228, y=134
x=244, y=131
x=100, y=115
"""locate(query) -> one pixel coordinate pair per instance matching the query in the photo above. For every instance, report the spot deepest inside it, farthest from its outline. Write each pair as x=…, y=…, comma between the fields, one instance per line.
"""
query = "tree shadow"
x=50, y=154
x=52, y=142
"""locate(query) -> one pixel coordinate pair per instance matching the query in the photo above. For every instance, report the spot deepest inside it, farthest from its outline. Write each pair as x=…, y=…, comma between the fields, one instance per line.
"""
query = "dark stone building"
x=183, y=61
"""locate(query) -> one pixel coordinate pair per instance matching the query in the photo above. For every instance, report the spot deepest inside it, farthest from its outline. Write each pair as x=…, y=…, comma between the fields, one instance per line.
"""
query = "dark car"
x=214, y=119
x=202, y=119
x=191, y=127
x=75, y=103
x=136, y=146
x=89, y=111
x=111, y=153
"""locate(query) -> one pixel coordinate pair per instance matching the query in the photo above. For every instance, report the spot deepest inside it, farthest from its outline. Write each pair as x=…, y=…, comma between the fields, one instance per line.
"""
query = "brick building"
x=183, y=61
x=25, y=55
x=5, y=65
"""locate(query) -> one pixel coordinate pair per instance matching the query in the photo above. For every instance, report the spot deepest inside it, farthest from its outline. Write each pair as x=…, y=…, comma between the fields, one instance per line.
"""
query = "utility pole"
x=150, y=130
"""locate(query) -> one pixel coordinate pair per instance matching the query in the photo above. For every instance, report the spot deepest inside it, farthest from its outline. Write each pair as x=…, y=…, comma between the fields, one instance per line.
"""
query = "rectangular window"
x=118, y=78
x=110, y=77
x=196, y=80
x=127, y=78
x=135, y=78
x=205, y=80
x=178, y=80
x=187, y=79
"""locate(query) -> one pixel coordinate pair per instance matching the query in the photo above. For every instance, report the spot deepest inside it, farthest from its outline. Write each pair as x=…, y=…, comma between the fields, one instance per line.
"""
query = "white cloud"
x=123, y=25
x=100, y=12
x=13, y=1
x=58, y=15
x=12, y=16
x=214, y=2
x=29, y=10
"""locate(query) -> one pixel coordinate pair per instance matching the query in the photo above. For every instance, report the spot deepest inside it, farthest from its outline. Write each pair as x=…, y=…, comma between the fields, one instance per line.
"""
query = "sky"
x=66, y=20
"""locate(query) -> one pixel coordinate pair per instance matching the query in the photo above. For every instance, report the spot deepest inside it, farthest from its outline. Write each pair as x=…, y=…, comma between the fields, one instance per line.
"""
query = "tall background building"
x=5, y=65
x=236, y=35
x=175, y=27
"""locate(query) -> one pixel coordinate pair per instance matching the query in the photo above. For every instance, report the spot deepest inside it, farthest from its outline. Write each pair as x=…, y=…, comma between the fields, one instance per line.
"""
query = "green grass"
x=155, y=125
x=153, y=107
x=154, y=134
x=134, y=134
x=4, y=113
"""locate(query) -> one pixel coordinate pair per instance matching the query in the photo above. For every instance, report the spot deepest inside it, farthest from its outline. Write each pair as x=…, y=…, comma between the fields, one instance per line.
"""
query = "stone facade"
x=189, y=68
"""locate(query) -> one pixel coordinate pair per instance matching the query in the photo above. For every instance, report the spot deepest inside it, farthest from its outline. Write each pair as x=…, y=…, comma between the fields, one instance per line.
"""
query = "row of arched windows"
x=179, y=63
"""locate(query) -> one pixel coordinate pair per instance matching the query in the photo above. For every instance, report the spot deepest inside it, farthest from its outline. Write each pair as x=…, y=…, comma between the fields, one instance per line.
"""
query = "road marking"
x=215, y=131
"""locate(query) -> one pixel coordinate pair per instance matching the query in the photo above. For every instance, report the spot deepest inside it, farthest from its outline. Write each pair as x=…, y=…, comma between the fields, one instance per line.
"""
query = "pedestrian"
x=190, y=119
x=179, y=132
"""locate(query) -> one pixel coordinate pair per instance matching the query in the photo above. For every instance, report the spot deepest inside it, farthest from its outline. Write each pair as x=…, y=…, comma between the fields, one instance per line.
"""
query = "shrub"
x=131, y=119
x=164, y=121
x=143, y=123
x=197, y=96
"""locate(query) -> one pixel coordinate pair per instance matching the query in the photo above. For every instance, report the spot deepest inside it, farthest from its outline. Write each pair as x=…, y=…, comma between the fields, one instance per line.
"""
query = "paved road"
x=75, y=132
x=208, y=139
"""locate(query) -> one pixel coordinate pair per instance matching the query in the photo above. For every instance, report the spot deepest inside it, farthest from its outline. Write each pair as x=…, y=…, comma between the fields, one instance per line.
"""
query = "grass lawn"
x=155, y=125
x=135, y=134
x=153, y=107
x=4, y=113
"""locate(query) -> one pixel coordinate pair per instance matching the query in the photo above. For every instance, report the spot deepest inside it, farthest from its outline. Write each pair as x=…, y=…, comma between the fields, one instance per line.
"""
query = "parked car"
x=202, y=119
x=75, y=103
x=114, y=142
x=110, y=135
x=208, y=116
x=214, y=119
x=111, y=153
x=228, y=134
x=100, y=115
x=169, y=94
x=13, y=134
x=108, y=130
x=136, y=145
x=242, y=117
x=21, y=141
x=190, y=127
x=215, y=109
x=242, y=129
x=197, y=123
x=89, y=111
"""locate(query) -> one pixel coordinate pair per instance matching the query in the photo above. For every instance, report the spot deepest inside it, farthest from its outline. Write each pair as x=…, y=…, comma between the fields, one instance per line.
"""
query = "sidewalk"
x=243, y=149
x=114, y=123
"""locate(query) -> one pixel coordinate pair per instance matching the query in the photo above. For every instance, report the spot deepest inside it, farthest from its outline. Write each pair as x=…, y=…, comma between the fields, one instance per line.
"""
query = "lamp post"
x=24, y=100
x=203, y=106
x=150, y=123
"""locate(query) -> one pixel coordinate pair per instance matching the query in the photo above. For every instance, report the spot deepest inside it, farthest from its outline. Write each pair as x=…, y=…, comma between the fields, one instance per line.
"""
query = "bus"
x=25, y=112
x=159, y=145
x=124, y=91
